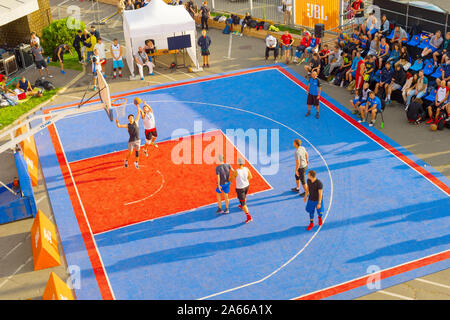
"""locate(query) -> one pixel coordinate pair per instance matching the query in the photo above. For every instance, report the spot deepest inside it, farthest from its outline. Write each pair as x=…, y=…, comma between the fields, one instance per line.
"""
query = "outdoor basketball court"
x=153, y=233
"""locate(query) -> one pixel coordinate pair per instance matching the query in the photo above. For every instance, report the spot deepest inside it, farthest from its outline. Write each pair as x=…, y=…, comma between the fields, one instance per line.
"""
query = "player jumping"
x=134, y=143
x=243, y=175
x=150, y=127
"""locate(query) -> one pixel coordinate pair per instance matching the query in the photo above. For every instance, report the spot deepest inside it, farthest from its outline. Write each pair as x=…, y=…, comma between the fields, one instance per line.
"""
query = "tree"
x=60, y=32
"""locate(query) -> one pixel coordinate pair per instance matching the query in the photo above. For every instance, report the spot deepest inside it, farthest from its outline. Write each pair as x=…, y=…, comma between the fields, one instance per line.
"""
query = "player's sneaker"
x=155, y=145
x=146, y=153
x=302, y=194
x=307, y=114
x=320, y=221
x=317, y=115
x=249, y=219
x=120, y=75
x=294, y=189
x=240, y=207
x=311, y=225
x=126, y=164
x=429, y=121
x=136, y=164
x=219, y=210
x=226, y=211
x=114, y=76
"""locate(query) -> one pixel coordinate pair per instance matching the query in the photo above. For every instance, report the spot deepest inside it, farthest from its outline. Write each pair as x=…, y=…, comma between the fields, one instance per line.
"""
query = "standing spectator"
x=96, y=65
x=58, y=55
x=351, y=73
x=141, y=60
x=129, y=5
x=434, y=44
x=360, y=73
x=101, y=52
x=314, y=89
x=287, y=10
x=95, y=32
x=286, y=44
x=77, y=43
x=301, y=164
x=39, y=61
x=271, y=45
x=204, y=42
x=398, y=80
x=34, y=39
x=90, y=43
x=439, y=102
x=116, y=52
x=314, y=198
x=245, y=22
x=358, y=11
x=205, y=12
x=190, y=8
x=84, y=37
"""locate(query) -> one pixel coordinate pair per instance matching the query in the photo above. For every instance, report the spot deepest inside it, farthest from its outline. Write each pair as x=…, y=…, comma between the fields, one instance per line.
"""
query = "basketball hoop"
x=119, y=105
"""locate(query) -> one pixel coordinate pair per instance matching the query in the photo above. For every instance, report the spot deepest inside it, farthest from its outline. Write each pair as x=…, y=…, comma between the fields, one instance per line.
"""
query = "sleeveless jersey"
x=149, y=121
x=115, y=51
x=242, y=178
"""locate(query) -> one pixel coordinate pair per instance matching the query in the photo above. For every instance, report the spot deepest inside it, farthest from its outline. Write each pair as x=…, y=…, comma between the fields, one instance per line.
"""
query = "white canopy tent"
x=157, y=21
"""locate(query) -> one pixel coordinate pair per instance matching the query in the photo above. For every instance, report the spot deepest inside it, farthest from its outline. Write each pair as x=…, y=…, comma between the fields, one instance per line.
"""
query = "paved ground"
x=18, y=281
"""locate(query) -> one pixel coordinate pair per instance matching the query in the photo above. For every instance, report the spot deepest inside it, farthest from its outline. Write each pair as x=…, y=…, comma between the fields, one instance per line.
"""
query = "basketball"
x=137, y=101
x=433, y=127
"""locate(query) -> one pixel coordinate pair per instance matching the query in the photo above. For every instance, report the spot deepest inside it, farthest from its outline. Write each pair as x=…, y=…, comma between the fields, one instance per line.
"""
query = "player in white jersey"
x=150, y=127
x=242, y=176
x=116, y=51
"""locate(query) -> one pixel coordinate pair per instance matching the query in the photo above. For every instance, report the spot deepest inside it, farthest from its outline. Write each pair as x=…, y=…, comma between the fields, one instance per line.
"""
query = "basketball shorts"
x=242, y=194
x=149, y=134
x=134, y=145
x=117, y=64
x=311, y=207
x=301, y=175
x=312, y=100
x=225, y=188
x=40, y=64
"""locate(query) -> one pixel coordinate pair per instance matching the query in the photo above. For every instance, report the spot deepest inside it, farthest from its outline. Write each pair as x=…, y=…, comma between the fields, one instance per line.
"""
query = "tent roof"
x=11, y=10
x=158, y=18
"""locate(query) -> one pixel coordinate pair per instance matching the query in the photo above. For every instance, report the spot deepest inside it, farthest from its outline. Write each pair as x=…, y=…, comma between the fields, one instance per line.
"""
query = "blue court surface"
x=384, y=209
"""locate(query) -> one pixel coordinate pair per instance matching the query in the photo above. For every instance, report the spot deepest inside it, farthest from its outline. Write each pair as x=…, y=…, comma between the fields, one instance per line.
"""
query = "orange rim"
x=118, y=102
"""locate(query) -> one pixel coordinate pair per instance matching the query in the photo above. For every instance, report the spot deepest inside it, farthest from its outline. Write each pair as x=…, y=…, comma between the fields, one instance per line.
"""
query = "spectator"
x=77, y=43
x=374, y=46
x=304, y=43
x=323, y=54
x=419, y=90
x=149, y=47
x=101, y=53
x=415, y=111
x=245, y=22
x=358, y=11
x=343, y=39
x=141, y=60
x=95, y=32
x=398, y=80
x=313, y=47
x=400, y=35
x=385, y=26
x=287, y=9
x=24, y=86
x=360, y=98
x=335, y=59
x=271, y=45
x=360, y=73
x=351, y=73
x=434, y=44
x=129, y=5
x=371, y=24
x=204, y=42
x=190, y=8
x=383, y=52
x=86, y=35
x=39, y=61
x=90, y=43
x=342, y=70
x=387, y=73
x=34, y=39
x=138, y=4
x=58, y=55
x=354, y=43
x=370, y=67
x=394, y=56
x=116, y=52
x=403, y=58
x=205, y=12
x=96, y=65
x=372, y=106
x=439, y=55
x=445, y=75
x=439, y=102
x=286, y=44
x=314, y=64
x=410, y=84
x=364, y=44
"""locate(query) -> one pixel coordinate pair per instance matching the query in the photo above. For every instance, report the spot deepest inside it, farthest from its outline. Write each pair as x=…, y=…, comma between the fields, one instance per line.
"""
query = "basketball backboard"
x=103, y=91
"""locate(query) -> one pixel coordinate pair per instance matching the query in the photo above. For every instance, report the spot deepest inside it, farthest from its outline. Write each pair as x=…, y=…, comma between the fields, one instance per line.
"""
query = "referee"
x=301, y=164
x=314, y=89
x=314, y=198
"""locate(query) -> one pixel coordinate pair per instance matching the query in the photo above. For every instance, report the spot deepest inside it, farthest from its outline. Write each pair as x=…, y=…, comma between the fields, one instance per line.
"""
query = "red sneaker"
x=429, y=121
x=120, y=75
x=311, y=225
x=320, y=221
x=249, y=218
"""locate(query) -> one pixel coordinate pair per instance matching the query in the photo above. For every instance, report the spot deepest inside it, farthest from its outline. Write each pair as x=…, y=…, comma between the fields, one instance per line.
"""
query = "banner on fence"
x=30, y=155
x=310, y=12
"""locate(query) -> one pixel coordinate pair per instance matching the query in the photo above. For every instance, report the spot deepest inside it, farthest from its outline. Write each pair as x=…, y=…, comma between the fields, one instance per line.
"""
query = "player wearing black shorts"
x=243, y=175
x=301, y=164
x=134, y=143
x=314, y=198
x=314, y=89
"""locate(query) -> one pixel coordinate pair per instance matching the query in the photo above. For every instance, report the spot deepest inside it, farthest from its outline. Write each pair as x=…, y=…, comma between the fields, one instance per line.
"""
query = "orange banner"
x=44, y=243
x=57, y=289
x=310, y=12
x=30, y=155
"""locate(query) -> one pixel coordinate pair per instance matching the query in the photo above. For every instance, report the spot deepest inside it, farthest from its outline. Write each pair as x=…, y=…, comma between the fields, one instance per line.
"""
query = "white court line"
x=123, y=167
x=15, y=272
x=433, y=283
x=17, y=245
x=40, y=199
x=148, y=197
x=395, y=295
x=164, y=75
x=164, y=64
x=84, y=213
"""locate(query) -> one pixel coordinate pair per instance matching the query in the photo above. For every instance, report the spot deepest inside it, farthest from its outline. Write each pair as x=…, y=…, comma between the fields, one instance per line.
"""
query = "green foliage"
x=60, y=32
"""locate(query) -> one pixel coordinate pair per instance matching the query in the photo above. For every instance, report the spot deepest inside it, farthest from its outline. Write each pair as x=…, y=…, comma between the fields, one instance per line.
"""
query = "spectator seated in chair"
x=286, y=45
x=372, y=106
x=371, y=25
x=400, y=35
x=387, y=73
x=398, y=80
x=141, y=60
x=415, y=111
x=323, y=54
x=445, y=75
x=360, y=98
x=439, y=102
x=304, y=43
x=246, y=22
x=314, y=64
x=435, y=43
x=385, y=26
x=440, y=55
x=271, y=45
